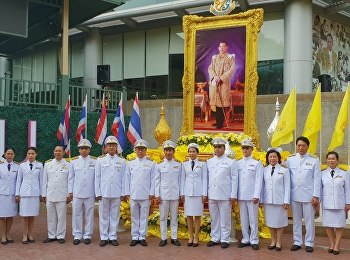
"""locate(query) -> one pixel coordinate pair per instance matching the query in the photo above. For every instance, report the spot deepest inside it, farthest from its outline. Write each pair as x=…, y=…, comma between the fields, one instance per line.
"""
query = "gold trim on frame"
x=252, y=20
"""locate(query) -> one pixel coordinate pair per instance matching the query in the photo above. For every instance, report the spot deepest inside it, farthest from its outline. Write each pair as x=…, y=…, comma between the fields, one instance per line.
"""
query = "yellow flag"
x=286, y=123
x=340, y=125
x=313, y=122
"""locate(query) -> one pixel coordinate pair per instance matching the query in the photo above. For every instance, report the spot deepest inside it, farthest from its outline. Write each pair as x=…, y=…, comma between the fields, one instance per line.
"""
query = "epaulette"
x=74, y=158
x=121, y=156
x=149, y=158
x=294, y=154
x=342, y=168
x=255, y=158
x=214, y=56
x=49, y=160
x=93, y=157
x=1, y=162
x=177, y=160
x=313, y=156
x=231, y=156
x=284, y=166
x=17, y=162
x=231, y=55
x=103, y=155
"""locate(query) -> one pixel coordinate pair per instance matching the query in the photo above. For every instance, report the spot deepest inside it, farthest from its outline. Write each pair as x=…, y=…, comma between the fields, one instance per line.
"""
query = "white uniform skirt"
x=275, y=215
x=193, y=206
x=8, y=206
x=29, y=206
x=334, y=218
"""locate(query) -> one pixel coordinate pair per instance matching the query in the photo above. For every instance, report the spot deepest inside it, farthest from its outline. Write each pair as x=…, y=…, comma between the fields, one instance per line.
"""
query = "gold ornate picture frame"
x=193, y=26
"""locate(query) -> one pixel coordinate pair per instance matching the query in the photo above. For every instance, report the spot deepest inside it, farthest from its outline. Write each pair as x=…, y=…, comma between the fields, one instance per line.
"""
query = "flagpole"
x=295, y=131
x=103, y=104
x=69, y=128
x=86, y=117
x=320, y=134
x=348, y=126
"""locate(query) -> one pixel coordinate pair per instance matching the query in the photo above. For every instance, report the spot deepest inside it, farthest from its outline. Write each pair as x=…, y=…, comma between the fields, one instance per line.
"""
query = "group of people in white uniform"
x=221, y=181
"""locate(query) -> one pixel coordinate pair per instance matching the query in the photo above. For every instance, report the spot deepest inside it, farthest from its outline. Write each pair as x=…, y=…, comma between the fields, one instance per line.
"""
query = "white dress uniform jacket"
x=222, y=178
x=109, y=176
x=194, y=182
x=55, y=180
x=29, y=182
x=250, y=177
x=305, y=177
x=335, y=192
x=139, y=182
x=167, y=180
x=82, y=177
x=8, y=179
x=276, y=188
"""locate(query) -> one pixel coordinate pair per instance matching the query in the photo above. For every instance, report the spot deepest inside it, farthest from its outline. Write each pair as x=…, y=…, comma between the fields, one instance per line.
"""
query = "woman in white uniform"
x=28, y=192
x=193, y=192
x=335, y=197
x=8, y=208
x=275, y=197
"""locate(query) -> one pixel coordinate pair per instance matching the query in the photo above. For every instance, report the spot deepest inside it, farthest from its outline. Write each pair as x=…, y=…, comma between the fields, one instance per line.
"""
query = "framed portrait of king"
x=220, y=73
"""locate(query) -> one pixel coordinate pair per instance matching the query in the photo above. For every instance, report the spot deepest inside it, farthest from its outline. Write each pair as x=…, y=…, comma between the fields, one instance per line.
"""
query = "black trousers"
x=220, y=117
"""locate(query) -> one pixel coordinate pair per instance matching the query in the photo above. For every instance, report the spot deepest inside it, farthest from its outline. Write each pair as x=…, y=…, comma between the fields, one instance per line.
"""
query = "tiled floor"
x=54, y=250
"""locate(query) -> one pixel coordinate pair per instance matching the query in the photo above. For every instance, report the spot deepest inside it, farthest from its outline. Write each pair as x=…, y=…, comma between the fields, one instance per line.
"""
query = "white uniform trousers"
x=56, y=219
x=306, y=210
x=79, y=207
x=139, y=216
x=220, y=214
x=109, y=214
x=164, y=208
x=249, y=218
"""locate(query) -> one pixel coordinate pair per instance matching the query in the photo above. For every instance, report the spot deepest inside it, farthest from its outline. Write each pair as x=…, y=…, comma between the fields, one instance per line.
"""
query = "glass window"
x=270, y=77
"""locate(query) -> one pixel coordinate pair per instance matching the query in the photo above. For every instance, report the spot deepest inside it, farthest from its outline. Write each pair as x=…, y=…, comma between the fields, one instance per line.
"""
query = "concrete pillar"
x=5, y=65
x=93, y=57
x=297, y=46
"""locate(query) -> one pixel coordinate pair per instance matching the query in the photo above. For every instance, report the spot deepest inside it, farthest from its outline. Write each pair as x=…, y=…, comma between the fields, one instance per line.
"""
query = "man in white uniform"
x=139, y=187
x=250, y=179
x=109, y=190
x=55, y=195
x=81, y=188
x=305, y=178
x=222, y=193
x=167, y=192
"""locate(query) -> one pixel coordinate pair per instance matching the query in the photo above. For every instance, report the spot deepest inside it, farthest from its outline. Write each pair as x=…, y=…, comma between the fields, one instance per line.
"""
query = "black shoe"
x=143, y=242
x=103, y=242
x=190, y=244
x=241, y=245
x=224, y=245
x=310, y=249
x=31, y=240
x=175, y=242
x=49, y=240
x=295, y=247
x=278, y=248
x=214, y=124
x=25, y=242
x=271, y=247
x=76, y=241
x=212, y=243
x=87, y=241
x=4, y=242
x=114, y=242
x=134, y=242
x=195, y=244
x=336, y=252
x=61, y=240
x=163, y=242
x=10, y=241
x=255, y=246
x=219, y=127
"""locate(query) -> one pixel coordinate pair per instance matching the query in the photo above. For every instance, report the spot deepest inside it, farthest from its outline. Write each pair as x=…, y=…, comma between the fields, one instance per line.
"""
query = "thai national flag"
x=134, y=131
x=101, y=128
x=80, y=134
x=118, y=127
x=63, y=133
